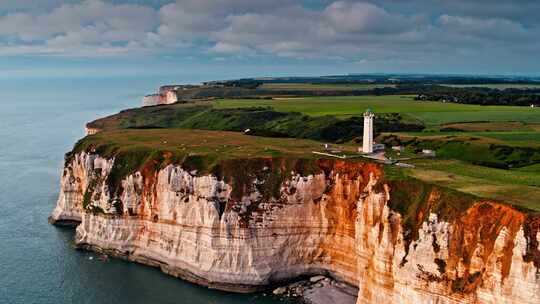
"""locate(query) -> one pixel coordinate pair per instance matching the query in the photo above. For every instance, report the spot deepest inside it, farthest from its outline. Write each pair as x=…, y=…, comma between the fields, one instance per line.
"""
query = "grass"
x=500, y=86
x=325, y=86
x=165, y=116
x=519, y=138
x=506, y=126
x=183, y=142
x=519, y=187
x=431, y=113
x=511, y=138
x=526, y=176
x=471, y=113
x=345, y=106
x=531, y=168
x=262, y=121
x=485, y=151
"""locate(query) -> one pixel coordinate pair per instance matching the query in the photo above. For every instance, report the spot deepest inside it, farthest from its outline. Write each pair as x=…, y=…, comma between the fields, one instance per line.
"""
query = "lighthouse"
x=368, y=132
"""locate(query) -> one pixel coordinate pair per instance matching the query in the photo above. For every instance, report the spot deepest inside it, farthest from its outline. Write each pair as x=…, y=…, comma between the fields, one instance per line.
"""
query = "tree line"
x=483, y=96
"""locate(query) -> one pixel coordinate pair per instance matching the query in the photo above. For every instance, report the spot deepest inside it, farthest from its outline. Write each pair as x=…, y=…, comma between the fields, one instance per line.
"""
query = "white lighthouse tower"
x=368, y=132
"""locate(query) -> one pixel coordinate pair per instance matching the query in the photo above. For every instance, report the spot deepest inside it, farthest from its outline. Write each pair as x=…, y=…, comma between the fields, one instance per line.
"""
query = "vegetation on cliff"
x=484, y=95
x=202, y=152
x=431, y=114
x=261, y=121
x=477, y=150
x=487, y=151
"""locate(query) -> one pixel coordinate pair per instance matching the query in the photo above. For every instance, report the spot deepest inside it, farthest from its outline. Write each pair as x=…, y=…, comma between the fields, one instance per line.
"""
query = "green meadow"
x=324, y=86
x=431, y=113
x=520, y=187
x=500, y=86
x=514, y=138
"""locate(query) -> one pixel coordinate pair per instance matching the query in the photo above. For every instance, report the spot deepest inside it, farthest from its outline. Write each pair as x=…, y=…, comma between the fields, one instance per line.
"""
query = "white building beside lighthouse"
x=367, y=146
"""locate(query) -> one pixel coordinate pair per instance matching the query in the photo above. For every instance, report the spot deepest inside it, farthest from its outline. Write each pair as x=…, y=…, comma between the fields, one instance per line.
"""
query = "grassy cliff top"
x=220, y=144
x=262, y=121
x=488, y=151
x=205, y=150
x=235, y=157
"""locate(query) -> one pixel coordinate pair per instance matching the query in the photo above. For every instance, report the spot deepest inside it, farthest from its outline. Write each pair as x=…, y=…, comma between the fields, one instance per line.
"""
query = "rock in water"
x=316, y=279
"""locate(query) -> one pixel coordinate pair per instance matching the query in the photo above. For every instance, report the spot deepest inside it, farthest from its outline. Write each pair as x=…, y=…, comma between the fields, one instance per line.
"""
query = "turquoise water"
x=40, y=120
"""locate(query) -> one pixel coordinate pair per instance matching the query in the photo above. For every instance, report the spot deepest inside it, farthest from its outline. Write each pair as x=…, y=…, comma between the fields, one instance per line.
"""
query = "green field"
x=527, y=176
x=221, y=144
x=517, y=138
x=323, y=87
x=500, y=86
x=473, y=113
x=431, y=113
x=491, y=126
x=520, y=187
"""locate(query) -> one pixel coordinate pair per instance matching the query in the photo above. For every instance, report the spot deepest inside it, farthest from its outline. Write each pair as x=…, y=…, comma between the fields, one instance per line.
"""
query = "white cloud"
x=365, y=18
x=492, y=28
x=82, y=25
x=227, y=48
x=375, y=31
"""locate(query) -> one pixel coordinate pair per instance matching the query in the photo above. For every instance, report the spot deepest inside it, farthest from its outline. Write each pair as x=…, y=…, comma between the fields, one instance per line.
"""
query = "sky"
x=223, y=39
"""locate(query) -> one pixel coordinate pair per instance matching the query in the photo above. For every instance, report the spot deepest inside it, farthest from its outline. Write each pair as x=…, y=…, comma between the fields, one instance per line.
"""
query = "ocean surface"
x=40, y=120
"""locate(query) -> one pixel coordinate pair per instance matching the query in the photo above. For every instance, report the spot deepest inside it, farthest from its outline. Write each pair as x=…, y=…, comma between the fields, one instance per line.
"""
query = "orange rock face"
x=248, y=224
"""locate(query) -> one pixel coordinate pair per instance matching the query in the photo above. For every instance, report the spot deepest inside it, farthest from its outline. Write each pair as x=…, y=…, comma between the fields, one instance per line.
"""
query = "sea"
x=40, y=120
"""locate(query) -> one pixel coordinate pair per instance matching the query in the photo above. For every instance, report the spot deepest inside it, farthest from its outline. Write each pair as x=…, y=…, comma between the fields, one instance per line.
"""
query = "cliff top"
x=223, y=144
x=496, y=159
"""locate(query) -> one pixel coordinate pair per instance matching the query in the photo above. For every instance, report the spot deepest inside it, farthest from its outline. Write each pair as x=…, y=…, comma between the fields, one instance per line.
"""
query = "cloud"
x=227, y=48
x=493, y=28
x=520, y=11
x=365, y=18
x=368, y=33
x=71, y=26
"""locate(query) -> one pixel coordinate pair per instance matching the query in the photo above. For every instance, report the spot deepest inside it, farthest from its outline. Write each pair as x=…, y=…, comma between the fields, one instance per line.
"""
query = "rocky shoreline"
x=318, y=290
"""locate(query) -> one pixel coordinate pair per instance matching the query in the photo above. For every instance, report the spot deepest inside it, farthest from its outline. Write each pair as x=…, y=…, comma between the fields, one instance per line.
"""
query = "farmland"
x=519, y=187
x=489, y=126
x=431, y=113
x=500, y=86
x=184, y=142
x=326, y=86
x=514, y=138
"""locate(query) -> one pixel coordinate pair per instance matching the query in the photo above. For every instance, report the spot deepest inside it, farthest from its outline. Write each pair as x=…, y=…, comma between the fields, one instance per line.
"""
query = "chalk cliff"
x=247, y=224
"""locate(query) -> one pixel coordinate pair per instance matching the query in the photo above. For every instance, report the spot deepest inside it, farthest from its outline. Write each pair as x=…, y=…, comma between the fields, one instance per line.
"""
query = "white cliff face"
x=335, y=222
x=182, y=223
x=478, y=258
x=153, y=100
x=166, y=96
x=91, y=131
x=76, y=178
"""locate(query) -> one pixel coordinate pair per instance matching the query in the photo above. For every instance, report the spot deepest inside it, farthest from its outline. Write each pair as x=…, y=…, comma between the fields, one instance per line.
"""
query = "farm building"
x=428, y=152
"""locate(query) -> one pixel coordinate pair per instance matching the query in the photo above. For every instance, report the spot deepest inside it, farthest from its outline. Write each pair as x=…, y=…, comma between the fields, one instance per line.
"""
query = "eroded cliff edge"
x=248, y=223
